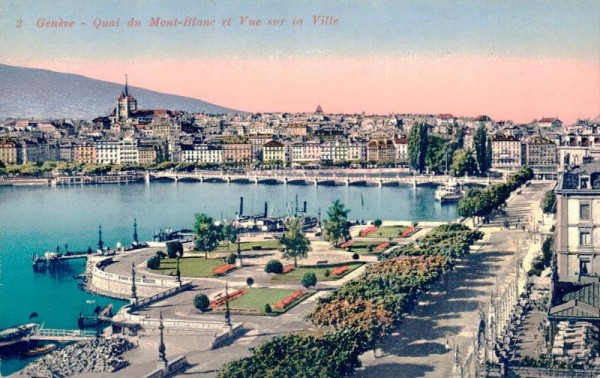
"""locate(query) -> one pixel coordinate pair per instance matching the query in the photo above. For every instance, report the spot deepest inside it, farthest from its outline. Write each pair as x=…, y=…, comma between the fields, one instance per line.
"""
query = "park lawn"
x=257, y=298
x=362, y=248
x=192, y=266
x=386, y=232
x=296, y=274
x=268, y=244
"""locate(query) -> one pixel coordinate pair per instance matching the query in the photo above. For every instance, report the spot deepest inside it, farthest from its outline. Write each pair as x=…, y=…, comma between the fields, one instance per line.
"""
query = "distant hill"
x=36, y=93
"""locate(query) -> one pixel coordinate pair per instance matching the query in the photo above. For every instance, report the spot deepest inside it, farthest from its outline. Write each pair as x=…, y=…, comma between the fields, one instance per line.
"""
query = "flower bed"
x=382, y=246
x=223, y=269
x=288, y=268
x=289, y=299
x=221, y=301
x=347, y=244
x=367, y=231
x=408, y=232
x=340, y=270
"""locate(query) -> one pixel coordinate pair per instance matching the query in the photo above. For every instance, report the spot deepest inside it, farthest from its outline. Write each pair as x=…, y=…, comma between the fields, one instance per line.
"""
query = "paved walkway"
x=423, y=347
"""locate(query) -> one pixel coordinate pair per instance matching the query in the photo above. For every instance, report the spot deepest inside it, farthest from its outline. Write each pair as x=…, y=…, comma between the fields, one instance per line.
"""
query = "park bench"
x=322, y=262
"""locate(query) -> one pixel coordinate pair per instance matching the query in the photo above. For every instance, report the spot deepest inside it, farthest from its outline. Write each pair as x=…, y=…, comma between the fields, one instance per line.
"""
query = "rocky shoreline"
x=93, y=356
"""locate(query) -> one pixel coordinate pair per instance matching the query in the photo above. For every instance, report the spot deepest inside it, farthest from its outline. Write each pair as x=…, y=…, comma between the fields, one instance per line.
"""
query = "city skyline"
x=502, y=60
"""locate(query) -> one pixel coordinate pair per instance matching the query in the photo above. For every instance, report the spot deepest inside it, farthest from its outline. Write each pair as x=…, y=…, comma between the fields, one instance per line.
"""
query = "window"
x=584, y=211
x=585, y=239
x=584, y=267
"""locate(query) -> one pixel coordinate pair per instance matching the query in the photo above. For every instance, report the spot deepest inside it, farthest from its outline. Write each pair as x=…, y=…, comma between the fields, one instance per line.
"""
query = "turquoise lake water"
x=37, y=219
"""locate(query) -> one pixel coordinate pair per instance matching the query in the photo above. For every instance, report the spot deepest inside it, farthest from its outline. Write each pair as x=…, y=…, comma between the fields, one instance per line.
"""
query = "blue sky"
x=569, y=29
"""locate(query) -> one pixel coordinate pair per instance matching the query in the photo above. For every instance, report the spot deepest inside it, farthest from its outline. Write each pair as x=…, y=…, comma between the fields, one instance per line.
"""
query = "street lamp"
x=227, y=311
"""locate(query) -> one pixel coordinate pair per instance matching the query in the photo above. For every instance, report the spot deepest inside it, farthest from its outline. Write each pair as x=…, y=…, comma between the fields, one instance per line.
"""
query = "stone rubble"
x=95, y=356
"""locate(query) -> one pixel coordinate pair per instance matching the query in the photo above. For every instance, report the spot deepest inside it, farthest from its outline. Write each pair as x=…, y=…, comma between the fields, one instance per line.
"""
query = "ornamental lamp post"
x=227, y=311
x=178, y=272
x=133, y=287
x=162, y=356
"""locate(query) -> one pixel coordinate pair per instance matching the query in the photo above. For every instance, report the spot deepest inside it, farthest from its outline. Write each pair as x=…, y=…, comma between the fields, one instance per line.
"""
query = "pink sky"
x=520, y=89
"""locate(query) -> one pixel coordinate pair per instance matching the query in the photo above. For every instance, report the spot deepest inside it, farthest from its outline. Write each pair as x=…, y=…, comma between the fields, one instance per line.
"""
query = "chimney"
x=241, y=206
x=266, y=208
x=304, y=207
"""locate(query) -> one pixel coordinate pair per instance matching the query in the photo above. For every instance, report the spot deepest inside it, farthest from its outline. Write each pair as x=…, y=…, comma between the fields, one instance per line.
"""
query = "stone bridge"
x=301, y=178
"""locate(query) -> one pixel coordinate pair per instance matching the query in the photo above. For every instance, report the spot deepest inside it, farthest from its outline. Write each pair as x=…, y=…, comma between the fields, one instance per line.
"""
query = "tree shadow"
x=395, y=370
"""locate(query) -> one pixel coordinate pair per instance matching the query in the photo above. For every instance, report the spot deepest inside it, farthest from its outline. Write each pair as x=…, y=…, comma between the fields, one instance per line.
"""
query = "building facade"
x=578, y=225
x=507, y=153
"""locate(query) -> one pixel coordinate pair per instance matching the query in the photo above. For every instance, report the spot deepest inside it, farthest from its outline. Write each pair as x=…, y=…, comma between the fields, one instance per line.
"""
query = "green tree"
x=201, y=302
x=549, y=202
x=335, y=227
x=207, y=234
x=488, y=153
x=230, y=234
x=437, y=150
x=293, y=240
x=480, y=147
x=309, y=279
x=417, y=146
x=463, y=163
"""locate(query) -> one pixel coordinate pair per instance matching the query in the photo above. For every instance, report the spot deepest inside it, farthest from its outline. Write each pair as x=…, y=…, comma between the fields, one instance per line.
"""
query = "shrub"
x=327, y=273
x=201, y=302
x=153, y=262
x=309, y=279
x=268, y=309
x=249, y=281
x=356, y=256
x=161, y=255
x=370, y=248
x=377, y=223
x=274, y=266
x=231, y=258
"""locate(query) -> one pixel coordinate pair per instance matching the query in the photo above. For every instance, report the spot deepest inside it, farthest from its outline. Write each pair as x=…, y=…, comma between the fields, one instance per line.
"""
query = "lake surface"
x=37, y=219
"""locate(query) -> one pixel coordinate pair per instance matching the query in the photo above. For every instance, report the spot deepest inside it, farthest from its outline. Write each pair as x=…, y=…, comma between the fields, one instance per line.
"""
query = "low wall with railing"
x=172, y=368
x=119, y=285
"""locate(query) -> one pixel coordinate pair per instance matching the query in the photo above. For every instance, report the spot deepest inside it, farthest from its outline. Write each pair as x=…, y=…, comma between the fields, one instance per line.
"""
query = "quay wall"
x=119, y=286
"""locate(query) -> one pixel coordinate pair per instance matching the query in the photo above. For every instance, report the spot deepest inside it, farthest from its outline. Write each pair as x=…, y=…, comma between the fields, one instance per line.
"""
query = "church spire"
x=126, y=89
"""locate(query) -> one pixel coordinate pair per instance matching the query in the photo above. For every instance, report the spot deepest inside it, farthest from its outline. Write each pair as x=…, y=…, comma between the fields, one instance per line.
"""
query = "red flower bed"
x=347, y=244
x=221, y=301
x=223, y=269
x=340, y=270
x=367, y=231
x=289, y=299
x=288, y=268
x=382, y=246
x=409, y=231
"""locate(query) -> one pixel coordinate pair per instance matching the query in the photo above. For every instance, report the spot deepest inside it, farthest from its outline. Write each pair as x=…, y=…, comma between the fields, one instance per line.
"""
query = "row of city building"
x=130, y=135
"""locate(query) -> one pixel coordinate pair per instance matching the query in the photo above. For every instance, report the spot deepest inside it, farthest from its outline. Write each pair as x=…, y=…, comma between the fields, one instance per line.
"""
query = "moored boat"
x=451, y=192
x=43, y=349
x=17, y=334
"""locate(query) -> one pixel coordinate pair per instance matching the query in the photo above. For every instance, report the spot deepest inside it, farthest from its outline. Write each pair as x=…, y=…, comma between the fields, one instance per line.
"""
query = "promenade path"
x=449, y=316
